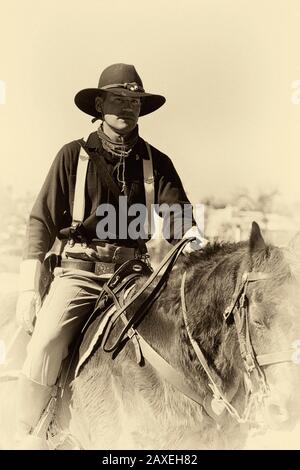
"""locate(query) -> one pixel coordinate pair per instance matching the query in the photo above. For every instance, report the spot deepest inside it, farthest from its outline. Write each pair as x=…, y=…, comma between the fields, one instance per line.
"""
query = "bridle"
x=239, y=310
x=254, y=378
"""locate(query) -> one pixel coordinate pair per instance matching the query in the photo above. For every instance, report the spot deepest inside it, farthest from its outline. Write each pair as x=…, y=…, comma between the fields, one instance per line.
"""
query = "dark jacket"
x=51, y=215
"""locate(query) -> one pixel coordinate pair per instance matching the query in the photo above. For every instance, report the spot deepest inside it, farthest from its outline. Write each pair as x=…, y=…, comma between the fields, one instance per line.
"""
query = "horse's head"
x=268, y=316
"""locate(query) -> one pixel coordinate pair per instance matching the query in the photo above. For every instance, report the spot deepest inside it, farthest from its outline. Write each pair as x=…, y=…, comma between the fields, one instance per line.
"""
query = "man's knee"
x=52, y=345
x=44, y=358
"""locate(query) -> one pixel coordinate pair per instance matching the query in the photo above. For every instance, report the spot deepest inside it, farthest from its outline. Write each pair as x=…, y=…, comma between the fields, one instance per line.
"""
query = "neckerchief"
x=120, y=150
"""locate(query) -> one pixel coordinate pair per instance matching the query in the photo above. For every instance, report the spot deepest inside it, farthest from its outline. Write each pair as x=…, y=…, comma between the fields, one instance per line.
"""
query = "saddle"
x=121, y=300
x=115, y=293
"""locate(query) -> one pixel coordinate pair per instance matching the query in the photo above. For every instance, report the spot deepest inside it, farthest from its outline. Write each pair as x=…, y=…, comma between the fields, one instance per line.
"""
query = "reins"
x=216, y=391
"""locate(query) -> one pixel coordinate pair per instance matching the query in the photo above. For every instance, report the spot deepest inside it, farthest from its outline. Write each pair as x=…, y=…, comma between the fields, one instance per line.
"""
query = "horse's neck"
x=209, y=290
x=212, y=281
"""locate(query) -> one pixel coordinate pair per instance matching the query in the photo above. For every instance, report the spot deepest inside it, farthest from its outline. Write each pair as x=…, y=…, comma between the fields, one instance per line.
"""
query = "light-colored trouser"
x=70, y=300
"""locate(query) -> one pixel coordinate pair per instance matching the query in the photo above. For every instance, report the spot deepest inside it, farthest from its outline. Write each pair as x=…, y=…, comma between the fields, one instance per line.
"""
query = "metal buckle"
x=72, y=233
x=149, y=180
x=146, y=259
x=74, y=227
x=229, y=311
x=75, y=234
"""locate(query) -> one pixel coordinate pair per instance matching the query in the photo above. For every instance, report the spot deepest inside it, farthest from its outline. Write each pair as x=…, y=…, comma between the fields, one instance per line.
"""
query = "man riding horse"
x=67, y=208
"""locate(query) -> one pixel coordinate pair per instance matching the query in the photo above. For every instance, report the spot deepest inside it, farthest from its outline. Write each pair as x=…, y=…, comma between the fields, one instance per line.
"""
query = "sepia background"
x=230, y=70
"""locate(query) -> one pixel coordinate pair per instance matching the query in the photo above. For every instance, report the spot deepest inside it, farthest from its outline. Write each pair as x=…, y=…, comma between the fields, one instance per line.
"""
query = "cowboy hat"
x=121, y=79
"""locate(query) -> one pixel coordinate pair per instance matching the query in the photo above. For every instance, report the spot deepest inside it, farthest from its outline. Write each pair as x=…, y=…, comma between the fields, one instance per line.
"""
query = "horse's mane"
x=281, y=262
x=213, y=250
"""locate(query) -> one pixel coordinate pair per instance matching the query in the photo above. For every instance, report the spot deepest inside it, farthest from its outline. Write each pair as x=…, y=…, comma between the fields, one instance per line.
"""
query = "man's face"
x=121, y=113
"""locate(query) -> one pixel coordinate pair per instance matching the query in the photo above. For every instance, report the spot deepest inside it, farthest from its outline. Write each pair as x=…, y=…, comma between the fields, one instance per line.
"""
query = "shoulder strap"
x=149, y=187
x=79, y=197
x=112, y=186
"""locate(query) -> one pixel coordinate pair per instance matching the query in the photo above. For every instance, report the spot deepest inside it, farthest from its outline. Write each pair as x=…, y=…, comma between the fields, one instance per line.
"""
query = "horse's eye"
x=259, y=323
x=258, y=296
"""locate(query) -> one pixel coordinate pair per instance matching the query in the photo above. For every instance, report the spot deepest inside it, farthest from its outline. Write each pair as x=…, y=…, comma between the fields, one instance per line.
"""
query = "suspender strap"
x=79, y=198
x=149, y=188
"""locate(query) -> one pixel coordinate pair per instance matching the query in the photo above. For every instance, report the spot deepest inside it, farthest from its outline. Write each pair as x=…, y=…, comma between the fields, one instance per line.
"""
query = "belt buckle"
x=104, y=268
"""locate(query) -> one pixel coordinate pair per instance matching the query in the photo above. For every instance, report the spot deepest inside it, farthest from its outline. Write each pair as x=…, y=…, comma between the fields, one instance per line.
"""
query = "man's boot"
x=32, y=399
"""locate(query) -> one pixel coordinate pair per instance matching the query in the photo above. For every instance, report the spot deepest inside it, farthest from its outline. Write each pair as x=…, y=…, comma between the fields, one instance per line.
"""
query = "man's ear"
x=98, y=104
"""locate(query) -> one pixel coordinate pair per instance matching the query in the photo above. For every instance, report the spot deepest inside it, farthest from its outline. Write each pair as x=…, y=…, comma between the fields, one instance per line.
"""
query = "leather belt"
x=97, y=267
x=117, y=254
x=105, y=252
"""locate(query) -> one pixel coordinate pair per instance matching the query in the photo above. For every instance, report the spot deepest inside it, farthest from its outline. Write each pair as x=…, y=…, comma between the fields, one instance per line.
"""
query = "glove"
x=29, y=301
x=28, y=304
x=197, y=244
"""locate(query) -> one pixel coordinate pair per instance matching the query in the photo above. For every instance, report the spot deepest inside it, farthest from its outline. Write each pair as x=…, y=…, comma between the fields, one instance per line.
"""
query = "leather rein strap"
x=164, y=269
x=218, y=395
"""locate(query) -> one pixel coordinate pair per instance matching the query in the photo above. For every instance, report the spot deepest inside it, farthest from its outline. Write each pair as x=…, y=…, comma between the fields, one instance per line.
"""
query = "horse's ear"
x=294, y=244
x=256, y=241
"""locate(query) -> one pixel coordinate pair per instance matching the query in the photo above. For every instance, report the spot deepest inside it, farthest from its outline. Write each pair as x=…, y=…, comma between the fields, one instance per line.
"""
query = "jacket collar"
x=93, y=142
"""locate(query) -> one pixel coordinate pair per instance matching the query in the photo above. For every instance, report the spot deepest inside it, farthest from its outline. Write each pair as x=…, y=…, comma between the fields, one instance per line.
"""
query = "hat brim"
x=85, y=100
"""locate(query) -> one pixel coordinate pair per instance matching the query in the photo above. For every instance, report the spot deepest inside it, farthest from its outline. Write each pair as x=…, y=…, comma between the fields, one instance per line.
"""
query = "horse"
x=226, y=321
x=117, y=404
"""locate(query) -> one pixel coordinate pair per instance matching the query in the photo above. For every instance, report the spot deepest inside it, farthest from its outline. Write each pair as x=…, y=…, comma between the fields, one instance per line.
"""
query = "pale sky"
x=226, y=68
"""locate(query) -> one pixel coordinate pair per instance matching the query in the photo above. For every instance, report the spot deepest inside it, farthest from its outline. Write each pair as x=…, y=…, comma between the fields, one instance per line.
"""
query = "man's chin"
x=125, y=128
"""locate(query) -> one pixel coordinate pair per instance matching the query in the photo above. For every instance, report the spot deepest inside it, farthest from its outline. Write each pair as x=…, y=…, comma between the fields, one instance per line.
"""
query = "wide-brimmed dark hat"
x=121, y=79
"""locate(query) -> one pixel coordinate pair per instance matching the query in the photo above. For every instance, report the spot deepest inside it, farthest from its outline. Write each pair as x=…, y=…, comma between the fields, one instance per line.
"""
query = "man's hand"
x=195, y=245
x=29, y=301
x=28, y=305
